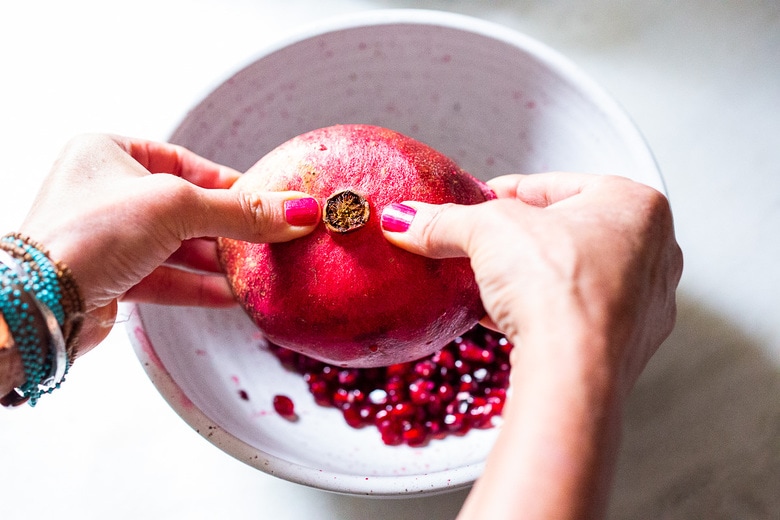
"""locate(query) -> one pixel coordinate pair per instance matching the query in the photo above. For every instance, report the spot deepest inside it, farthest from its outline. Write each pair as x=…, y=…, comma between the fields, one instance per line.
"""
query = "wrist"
x=568, y=375
x=572, y=344
x=561, y=426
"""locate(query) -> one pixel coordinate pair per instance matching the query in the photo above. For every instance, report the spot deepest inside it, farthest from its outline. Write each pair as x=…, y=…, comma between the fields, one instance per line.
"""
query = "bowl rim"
x=554, y=60
x=389, y=486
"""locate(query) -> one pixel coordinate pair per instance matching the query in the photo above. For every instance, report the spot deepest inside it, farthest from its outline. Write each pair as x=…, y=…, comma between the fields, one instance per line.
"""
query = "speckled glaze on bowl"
x=494, y=100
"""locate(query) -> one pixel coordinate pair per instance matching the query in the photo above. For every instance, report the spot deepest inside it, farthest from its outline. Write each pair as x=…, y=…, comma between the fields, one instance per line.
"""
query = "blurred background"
x=701, y=79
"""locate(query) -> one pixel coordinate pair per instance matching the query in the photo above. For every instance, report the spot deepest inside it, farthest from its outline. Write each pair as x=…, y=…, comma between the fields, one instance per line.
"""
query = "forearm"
x=555, y=454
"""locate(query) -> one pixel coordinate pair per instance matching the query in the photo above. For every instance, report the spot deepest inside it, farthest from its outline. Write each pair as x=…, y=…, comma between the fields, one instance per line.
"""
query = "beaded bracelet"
x=32, y=325
x=38, y=297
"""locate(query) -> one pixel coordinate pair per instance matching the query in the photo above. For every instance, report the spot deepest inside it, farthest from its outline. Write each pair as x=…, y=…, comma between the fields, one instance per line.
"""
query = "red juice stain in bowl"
x=461, y=387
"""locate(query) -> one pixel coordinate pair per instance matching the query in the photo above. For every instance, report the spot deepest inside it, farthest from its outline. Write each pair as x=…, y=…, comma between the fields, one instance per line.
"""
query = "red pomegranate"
x=343, y=294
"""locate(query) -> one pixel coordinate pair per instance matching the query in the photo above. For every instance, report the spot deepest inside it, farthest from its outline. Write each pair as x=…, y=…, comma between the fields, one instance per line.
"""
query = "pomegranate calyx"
x=345, y=211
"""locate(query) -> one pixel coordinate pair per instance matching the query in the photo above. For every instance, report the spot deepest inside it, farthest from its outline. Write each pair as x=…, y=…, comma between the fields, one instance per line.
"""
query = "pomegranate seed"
x=402, y=410
x=433, y=427
x=340, y=397
x=424, y=368
x=421, y=391
x=320, y=390
x=454, y=421
x=284, y=406
x=444, y=359
x=445, y=393
x=356, y=395
x=473, y=352
x=399, y=369
x=460, y=387
x=353, y=416
x=380, y=416
x=390, y=432
x=415, y=435
x=348, y=377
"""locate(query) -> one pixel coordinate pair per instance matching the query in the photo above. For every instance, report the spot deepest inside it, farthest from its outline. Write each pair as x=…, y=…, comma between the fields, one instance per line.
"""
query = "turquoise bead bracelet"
x=43, y=276
x=43, y=310
x=23, y=311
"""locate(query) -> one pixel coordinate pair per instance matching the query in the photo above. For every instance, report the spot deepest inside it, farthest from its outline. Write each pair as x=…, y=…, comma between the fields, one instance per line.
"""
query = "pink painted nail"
x=302, y=212
x=397, y=217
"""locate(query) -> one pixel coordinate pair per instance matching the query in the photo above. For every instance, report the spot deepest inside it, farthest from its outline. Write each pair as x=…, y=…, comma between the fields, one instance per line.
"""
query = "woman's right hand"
x=580, y=272
x=565, y=253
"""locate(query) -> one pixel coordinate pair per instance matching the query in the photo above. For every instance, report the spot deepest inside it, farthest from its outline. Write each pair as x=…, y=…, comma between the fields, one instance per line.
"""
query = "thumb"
x=255, y=216
x=432, y=230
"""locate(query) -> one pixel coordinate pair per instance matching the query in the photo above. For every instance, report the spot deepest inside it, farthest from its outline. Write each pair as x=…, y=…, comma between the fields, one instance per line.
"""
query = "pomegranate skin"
x=353, y=299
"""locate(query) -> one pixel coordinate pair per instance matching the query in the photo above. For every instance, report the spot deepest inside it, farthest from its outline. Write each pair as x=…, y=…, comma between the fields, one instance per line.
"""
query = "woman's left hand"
x=135, y=220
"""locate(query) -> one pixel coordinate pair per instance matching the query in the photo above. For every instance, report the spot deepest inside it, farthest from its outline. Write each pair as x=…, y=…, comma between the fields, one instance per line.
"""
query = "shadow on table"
x=702, y=427
x=701, y=436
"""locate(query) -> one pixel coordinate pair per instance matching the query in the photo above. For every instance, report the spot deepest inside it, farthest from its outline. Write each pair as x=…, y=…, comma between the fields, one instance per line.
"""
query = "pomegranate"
x=343, y=294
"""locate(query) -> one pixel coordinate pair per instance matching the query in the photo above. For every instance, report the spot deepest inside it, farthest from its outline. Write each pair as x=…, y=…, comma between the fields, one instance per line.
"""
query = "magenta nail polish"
x=397, y=217
x=302, y=212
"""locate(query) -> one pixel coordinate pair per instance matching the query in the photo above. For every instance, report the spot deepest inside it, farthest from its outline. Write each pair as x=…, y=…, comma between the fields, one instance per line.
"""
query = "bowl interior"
x=493, y=100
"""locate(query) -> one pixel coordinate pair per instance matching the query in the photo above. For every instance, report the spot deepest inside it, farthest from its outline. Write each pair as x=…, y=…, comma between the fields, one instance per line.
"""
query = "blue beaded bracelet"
x=44, y=369
x=43, y=279
x=66, y=301
x=50, y=310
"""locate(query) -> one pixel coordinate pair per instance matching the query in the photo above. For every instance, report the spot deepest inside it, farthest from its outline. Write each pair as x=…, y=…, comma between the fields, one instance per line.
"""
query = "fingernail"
x=302, y=212
x=397, y=217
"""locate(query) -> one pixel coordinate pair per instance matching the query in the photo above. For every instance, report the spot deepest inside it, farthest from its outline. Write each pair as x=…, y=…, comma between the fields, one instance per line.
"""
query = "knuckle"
x=258, y=213
x=431, y=227
x=657, y=207
x=166, y=203
x=86, y=140
x=80, y=147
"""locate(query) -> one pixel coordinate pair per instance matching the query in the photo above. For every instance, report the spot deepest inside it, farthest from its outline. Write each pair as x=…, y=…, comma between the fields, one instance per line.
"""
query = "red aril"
x=343, y=294
x=284, y=406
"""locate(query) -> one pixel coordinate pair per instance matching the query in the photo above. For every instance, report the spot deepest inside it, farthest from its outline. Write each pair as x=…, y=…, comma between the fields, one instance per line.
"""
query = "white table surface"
x=702, y=81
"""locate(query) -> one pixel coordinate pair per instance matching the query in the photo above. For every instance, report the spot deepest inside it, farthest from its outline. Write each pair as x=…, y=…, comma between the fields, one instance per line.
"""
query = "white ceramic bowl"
x=492, y=99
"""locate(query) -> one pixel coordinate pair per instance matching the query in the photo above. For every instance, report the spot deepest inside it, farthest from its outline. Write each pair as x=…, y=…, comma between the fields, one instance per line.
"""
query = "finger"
x=157, y=157
x=250, y=216
x=435, y=231
x=199, y=254
x=172, y=286
x=505, y=186
x=541, y=189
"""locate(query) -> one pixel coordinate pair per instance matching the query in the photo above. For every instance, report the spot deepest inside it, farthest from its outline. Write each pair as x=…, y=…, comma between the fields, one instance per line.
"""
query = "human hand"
x=566, y=254
x=580, y=272
x=133, y=220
